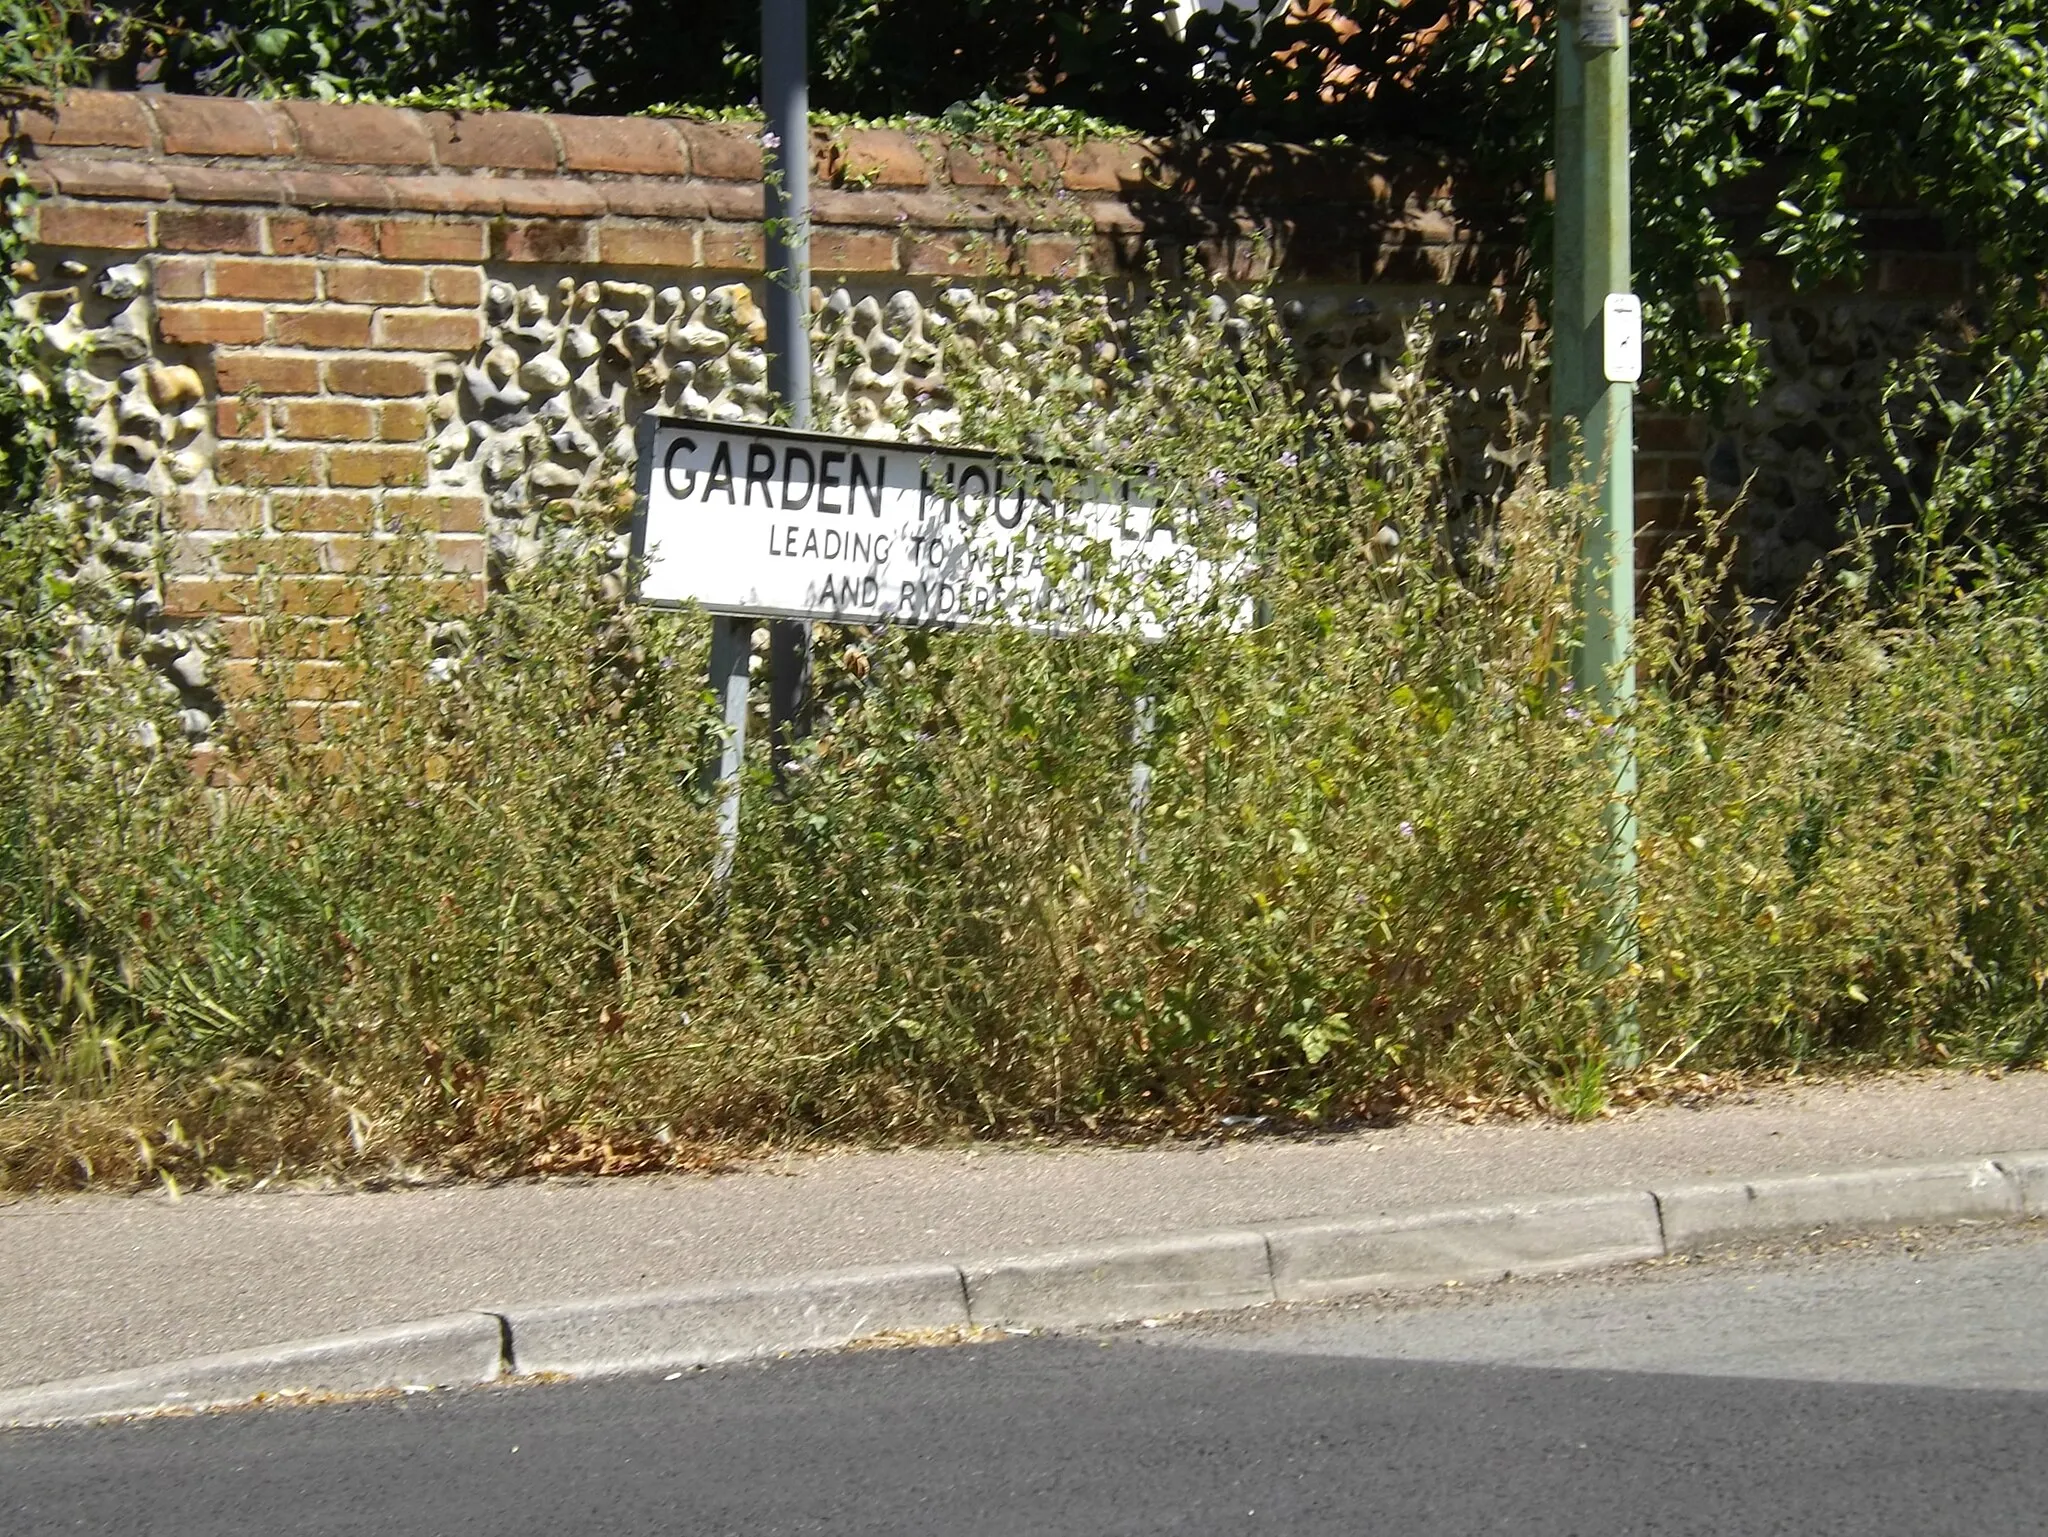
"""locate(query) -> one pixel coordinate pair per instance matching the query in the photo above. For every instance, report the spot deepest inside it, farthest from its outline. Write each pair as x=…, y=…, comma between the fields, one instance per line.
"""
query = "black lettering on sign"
x=926, y=490
x=760, y=470
x=974, y=488
x=790, y=456
x=1016, y=512
x=828, y=479
x=860, y=482
x=847, y=592
x=720, y=478
x=668, y=469
x=1046, y=501
x=1125, y=508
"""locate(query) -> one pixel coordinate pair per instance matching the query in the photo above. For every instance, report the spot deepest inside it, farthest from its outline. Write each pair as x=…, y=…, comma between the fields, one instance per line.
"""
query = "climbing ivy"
x=37, y=59
x=1812, y=114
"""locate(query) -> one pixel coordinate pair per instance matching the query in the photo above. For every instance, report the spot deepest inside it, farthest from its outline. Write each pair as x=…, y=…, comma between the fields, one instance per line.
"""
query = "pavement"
x=102, y=1284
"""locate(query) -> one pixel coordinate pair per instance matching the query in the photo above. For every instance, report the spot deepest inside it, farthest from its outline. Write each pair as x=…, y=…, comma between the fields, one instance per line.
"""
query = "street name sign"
x=772, y=522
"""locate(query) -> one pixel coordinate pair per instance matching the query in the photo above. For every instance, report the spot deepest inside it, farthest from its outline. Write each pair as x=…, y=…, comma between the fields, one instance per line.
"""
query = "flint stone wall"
x=296, y=328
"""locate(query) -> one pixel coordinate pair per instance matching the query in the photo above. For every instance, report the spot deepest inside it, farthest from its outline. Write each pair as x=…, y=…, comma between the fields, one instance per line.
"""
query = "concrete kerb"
x=458, y=1350
x=2029, y=1174
x=1697, y=1215
x=1075, y=1288
x=696, y=1326
x=1318, y=1259
x=1112, y=1283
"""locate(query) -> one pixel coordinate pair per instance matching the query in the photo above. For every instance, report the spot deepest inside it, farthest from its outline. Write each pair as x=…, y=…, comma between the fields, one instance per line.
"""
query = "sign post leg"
x=732, y=649
x=789, y=689
x=1142, y=721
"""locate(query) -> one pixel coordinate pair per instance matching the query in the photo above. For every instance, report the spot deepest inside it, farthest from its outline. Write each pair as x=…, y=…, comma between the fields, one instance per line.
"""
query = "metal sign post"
x=786, y=208
x=786, y=163
x=1596, y=358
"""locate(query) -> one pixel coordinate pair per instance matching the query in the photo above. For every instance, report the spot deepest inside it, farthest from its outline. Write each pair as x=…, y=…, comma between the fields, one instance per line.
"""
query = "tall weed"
x=464, y=914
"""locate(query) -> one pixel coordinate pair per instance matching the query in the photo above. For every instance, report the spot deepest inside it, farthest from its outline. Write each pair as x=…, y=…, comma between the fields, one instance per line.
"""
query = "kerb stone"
x=451, y=1351
x=1114, y=1282
x=1698, y=1215
x=695, y=1326
x=1481, y=1243
x=2029, y=1174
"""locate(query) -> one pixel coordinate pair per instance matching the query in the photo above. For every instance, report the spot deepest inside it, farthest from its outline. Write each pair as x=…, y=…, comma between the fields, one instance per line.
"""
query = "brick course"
x=432, y=240
x=632, y=146
x=370, y=283
x=334, y=512
x=512, y=140
x=336, y=420
x=362, y=135
x=218, y=323
x=93, y=228
x=266, y=373
x=429, y=330
x=265, y=280
x=390, y=377
x=193, y=229
x=99, y=119
x=329, y=326
x=208, y=125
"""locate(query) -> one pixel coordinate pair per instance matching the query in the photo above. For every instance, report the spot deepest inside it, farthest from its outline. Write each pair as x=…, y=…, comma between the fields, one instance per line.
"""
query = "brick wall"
x=322, y=268
x=325, y=273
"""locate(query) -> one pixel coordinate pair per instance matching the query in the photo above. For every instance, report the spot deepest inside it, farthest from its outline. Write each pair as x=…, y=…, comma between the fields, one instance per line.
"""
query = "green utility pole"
x=1596, y=358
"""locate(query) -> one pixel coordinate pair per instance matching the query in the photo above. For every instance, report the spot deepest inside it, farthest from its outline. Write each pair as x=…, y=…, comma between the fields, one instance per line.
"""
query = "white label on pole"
x=1600, y=23
x=772, y=522
x=1621, y=338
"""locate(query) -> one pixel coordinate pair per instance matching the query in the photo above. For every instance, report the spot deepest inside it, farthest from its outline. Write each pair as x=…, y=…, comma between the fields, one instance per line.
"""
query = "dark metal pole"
x=786, y=163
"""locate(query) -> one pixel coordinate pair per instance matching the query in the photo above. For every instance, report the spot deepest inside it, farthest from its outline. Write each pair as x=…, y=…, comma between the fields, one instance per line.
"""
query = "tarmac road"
x=1890, y=1386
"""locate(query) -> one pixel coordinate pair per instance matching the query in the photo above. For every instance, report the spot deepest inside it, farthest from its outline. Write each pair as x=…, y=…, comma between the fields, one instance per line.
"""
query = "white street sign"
x=771, y=522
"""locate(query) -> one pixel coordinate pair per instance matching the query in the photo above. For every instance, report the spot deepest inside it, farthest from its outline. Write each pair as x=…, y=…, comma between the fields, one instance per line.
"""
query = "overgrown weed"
x=463, y=917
